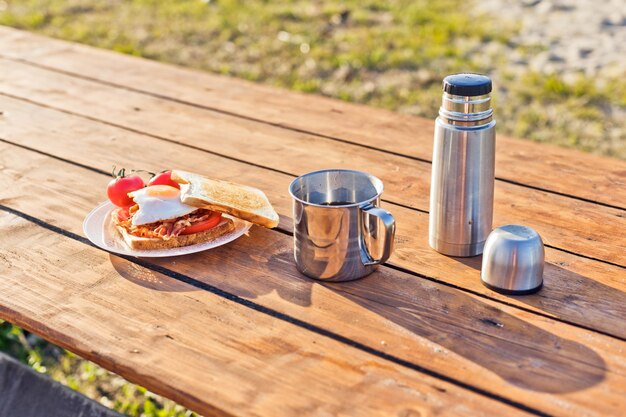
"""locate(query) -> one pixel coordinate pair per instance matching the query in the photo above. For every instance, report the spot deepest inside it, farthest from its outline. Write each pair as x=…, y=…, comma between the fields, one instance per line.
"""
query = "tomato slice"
x=211, y=222
x=122, y=214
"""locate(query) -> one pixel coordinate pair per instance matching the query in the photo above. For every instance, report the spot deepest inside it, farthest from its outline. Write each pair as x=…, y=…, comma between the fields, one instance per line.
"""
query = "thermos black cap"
x=467, y=85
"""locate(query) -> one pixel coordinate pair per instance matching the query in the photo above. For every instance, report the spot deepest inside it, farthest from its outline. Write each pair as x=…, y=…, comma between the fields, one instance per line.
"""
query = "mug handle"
x=390, y=231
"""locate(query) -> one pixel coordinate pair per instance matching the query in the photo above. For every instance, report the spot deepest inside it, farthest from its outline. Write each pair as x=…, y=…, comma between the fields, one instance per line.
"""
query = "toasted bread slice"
x=144, y=243
x=241, y=201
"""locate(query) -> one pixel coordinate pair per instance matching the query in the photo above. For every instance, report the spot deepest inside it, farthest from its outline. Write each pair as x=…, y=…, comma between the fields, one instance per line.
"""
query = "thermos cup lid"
x=513, y=260
x=467, y=84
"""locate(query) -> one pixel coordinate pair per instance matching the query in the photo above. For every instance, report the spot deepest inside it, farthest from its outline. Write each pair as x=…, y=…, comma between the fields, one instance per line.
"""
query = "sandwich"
x=199, y=210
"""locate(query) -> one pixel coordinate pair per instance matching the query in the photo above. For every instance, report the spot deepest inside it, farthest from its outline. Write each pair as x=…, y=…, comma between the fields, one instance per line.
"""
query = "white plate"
x=100, y=230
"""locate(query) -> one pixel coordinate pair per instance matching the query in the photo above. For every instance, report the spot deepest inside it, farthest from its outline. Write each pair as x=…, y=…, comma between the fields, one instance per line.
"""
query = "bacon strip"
x=162, y=230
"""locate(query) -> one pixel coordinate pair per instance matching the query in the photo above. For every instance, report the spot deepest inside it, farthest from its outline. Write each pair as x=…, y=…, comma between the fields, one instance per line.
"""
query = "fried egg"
x=158, y=203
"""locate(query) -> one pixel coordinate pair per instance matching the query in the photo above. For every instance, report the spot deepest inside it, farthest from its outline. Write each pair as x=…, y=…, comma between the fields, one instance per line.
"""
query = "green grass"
x=84, y=376
x=391, y=54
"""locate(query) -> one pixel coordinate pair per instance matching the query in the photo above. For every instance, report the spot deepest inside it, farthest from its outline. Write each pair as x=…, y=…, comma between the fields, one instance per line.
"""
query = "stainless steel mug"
x=461, y=187
x=340, y=232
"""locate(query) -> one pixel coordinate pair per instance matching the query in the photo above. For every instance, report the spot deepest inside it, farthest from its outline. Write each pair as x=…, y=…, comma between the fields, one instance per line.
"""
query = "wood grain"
x=577, y=290
x=545, y=364
x=543, y=166
x=398, y=343
x=210, y=354
x=577, y=226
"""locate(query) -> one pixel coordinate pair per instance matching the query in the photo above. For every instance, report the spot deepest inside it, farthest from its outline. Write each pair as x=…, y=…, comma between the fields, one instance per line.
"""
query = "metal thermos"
x=461, y=188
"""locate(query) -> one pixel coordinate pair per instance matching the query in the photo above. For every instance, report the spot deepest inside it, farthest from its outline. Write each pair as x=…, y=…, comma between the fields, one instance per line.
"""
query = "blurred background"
x=559, y=71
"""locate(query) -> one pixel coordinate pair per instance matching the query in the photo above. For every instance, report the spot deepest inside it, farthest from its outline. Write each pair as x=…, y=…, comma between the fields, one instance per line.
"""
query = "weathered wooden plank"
x=545, y=364
x=581, y=227
x=577, y=290
x=543, y=166
x=210, y=354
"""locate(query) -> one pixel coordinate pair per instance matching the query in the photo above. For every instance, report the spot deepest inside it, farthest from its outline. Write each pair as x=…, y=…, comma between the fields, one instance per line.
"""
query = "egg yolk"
x=161, y=191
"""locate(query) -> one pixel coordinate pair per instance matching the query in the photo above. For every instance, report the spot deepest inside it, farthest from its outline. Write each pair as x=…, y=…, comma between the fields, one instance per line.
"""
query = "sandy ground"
x=577, y=36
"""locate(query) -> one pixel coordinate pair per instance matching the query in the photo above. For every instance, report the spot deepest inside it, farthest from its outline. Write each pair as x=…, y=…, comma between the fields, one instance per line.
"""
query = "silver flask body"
x=462, y=182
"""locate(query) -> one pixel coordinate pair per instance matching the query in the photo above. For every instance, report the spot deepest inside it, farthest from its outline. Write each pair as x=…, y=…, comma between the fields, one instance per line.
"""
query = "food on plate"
x=241, y=201
x=159, y=220
x=121, y=185
x=164, y=178
x=162, y=216
x=157, y=203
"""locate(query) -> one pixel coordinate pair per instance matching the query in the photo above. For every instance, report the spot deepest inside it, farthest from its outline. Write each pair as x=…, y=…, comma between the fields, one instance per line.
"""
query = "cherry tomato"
x=121, y=185
x=211, y=222
x=163, y=178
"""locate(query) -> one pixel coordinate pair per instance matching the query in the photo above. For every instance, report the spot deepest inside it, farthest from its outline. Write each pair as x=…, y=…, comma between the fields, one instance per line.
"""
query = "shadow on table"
x=147, y=278
x=592, y=303
x=522, y=354
x=517, y=351
x=217, y=268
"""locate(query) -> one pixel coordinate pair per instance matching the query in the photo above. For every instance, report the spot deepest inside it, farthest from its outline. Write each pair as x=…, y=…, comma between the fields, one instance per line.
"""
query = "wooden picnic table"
x=237, y=331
